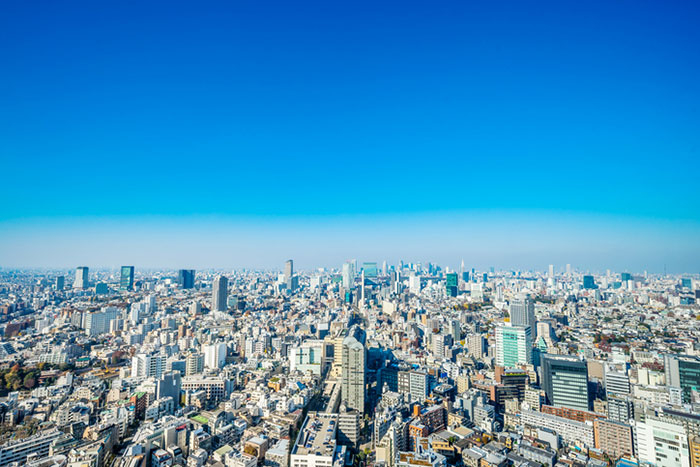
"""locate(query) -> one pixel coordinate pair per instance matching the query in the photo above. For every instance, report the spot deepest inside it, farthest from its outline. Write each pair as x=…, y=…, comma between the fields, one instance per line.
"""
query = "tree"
x=29, y=381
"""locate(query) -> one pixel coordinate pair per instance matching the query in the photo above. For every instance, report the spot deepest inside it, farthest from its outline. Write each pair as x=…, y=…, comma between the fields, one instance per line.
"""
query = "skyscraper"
x=60, y=282
x=219, y=294
x=589, y=282
x=683, y=371
x=81, y=278
x=185, y=278
x=513, y=345
x=451, y=284
x=126, y=282
x=353, y=370
x=522, y=312
x=565, y=381
x=348, y=275
x=289, y=275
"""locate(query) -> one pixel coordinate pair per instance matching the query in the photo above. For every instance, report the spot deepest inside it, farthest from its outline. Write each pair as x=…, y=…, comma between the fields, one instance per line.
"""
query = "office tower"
x=126, y=282
x=289, y=274
x=219, y=294
x=414, y=284
x=169, y=385
x=513, y=345
x=589, y=282
x=625, y=276
x=81, y=278
x=348, y=276
x=683, y=371
x=522, y=312
x=617, y=381
x=185, y=278
x=60, y=282
x=395, y=281
x=551, y=271
x=456, y=330
x=565, y=381
x=353, y=370
x=451, y=285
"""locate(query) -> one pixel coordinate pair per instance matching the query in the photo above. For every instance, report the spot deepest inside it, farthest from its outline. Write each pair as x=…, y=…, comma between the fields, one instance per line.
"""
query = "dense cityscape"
x=367, y=364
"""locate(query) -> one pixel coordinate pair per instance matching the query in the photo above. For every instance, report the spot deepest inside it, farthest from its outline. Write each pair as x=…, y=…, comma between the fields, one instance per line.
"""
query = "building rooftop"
x=317, y=436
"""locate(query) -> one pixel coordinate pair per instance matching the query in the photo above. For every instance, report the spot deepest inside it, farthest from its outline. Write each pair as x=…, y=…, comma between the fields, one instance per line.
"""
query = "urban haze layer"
x=370, y=364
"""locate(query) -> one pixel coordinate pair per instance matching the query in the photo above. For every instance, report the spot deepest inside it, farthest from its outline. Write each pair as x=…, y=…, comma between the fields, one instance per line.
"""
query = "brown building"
x=613, y=438
x=572, y=414
x=694, y=446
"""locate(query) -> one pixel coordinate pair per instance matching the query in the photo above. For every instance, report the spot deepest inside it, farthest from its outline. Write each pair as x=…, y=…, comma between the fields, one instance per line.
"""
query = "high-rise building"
x=60, y=282
x=126, y=281
x=513, y=345
x=522, y=312
x=589, y=282
x=551, y=271
x=348, y=275
x=565, y=381
x=81, y=278
x=169, y=385
x=185, y=278
x=683, y=371
x=353, y=370
x=451, y=284
x=289, y=275
x=219, y=294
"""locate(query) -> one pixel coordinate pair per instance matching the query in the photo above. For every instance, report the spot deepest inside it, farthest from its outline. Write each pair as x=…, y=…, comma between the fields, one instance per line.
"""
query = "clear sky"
x=238, y=134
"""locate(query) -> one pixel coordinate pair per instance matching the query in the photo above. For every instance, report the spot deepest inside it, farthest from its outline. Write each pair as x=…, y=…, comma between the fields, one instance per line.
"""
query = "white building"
x=661, y=443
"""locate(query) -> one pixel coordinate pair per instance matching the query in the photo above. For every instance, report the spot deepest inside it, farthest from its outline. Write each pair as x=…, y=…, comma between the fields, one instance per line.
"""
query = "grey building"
x=353, y=370
x=219, y=294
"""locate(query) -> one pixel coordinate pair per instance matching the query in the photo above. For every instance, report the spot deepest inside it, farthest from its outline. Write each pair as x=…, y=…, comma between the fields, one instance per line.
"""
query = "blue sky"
x=297, y=118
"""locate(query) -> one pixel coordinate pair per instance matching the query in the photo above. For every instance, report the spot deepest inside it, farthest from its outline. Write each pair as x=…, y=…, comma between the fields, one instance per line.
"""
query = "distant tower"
x=348, y=275
x=185, y=278
x=289, y=274
x=81, y=278
x=126, y=281
x=60, y=282
x=551, y=271
x=219, y=294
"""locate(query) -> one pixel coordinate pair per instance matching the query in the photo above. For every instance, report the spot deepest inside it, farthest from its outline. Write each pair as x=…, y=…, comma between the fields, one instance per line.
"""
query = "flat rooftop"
x=317, y=436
